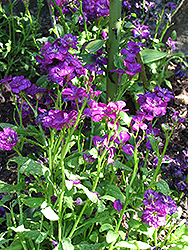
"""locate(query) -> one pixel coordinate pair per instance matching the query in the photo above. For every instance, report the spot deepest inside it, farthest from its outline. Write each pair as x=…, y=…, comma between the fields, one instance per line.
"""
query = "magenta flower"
x=8, y=138
x=128, y=149
x=141, y=31
x=171, y=43
x=78, y=201
x=96, y=110
x=74, y=93
x=117, y=205
x=138, y=121
x=124, y=136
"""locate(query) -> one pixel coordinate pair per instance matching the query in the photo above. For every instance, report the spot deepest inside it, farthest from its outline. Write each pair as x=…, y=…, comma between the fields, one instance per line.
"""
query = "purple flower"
x=75, y=182
x=88, y=158
x=141, y=31
x=158, y=206
x=117, y=205
x=171, y=43
x=155, y=214
x=150, y=197
x=78, y=201
x=55, y=243
x=169, y=202
x=124, y=136
x=176, y=119
x=132, y=68
x=18, y=84
x=165, y=94
x=8, y=138
x=128, y=149
x=53, y=199
x=171, y=6
x=137, y=121
x=74, y=93
x=111, y=151
x=58, y=119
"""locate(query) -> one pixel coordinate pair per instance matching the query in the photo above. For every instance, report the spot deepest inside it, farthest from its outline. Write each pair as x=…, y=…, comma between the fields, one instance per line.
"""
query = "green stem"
x=113, y=47
x=161, y=158
x=127, y=194
x=84, y=20
x=155, y=237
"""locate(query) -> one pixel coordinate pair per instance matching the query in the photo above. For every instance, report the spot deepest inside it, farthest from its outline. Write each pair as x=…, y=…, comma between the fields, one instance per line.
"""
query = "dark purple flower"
x=117, y=205
x=134, y=47
x=8, y=138
x=53, y=199
x=171, y=6
x=19, y=83
x=165, y=94
x=88, y=158
x=74, y=93
x=169, y=202
x=132, y=68
x=176, y=119
x=58, y=119
x=150, y=197
x=128, y=149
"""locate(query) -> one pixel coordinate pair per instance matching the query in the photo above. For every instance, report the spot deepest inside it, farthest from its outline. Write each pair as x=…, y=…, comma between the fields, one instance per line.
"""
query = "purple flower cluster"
x=92, y=10
x=141, y=31
x=16, y=83
x=8, y=138
x=98, y=111
x=147, y=7
x=171, y=43
x=56, y=60
x=131, y=66
x=58, y=119
x=158, y=206
x=155, y=103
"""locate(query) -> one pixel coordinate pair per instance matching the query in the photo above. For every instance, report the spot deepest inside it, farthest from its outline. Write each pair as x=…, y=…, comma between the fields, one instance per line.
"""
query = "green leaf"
x=115, y=192
x=6, y=188
x=105, y=227
x=34, y=202
x=163, y=187
x=173, y=35
x=49, y=213
x=42, y=236
x=66, y=243
x=30, y=166
x=94, y=237
x=125, y=117
x=74, y=160
x=149, y=55
x=126, y=244
x=95, y=45
x=111, y=236
x=86, y=246
x=120, y=165
x=92, y=196
x=143, y=245
x=129, y=25
x=134, y=223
